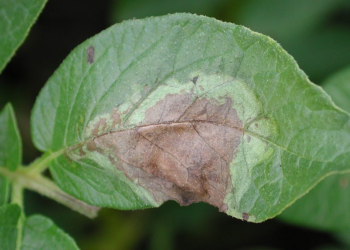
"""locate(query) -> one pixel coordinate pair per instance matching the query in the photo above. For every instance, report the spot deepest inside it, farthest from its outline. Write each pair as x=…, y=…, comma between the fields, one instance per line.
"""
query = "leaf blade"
x=138, y=63
x=40, y=232
x=10, y=140
x=9, y=219
x=16, y=19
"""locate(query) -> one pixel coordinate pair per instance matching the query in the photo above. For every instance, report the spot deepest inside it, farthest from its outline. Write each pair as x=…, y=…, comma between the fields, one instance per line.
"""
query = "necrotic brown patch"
x=245, y=216
x=90, y=53
x=184, y=151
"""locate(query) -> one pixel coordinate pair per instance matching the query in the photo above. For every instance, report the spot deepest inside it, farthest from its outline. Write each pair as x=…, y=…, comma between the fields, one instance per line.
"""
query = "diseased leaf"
x=188, y=108
x=16, y=19
x=41, y=233
x=184, y=149
x=10, y=140
x=9, y=217
x=326, y=207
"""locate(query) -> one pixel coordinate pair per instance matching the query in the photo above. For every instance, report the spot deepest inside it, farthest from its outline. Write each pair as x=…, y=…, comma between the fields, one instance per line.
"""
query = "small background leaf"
x=9, y=216
x=344, y=237
x=10, y=157
x=10, y=140
x=313, y=34
x=327, y=206
x=40, y=232
x=125, y=10
x=16, y=19
x=338, y=87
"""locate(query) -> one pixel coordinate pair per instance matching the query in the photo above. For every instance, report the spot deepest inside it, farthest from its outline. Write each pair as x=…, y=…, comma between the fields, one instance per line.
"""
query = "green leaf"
x=9, y=219
x=343, y=237
x=326, y=207
x=188, y=108
x=16, y=19
x=10, y=148
x=307, y=31
x=266, y=16
x=124, y=10
x=38, y=232
x=10, y=140
x=338, y=87
x=41, y=233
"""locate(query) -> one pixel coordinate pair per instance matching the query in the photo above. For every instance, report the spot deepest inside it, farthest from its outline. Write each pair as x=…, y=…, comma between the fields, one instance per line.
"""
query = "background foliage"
x=317, y=35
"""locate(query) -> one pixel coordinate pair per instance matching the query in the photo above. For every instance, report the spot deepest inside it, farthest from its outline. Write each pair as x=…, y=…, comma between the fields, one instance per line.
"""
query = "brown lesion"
x=106, y=124
x=245, y=216
x=90, y=54
x=183, y=152
x=101, y=125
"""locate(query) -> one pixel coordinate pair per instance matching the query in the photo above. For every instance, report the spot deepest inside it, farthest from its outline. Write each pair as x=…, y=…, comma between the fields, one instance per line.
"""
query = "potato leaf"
x=9, y=219
x=38, y=232
x=10, y=140
x=188, y=108
x=123, y=10
x=16, y=19
x=304, y=29
x=41, y=233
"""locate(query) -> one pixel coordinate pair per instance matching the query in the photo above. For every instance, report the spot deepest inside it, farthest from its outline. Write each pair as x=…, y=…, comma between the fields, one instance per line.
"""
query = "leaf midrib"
x=242, y=129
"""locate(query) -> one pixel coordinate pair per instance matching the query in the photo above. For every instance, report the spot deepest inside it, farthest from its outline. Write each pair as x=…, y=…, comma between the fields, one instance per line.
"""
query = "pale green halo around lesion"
x=252, y=151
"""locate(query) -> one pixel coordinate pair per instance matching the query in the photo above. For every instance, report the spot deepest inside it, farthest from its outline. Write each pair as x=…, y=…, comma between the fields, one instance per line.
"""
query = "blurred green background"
x=315, y=32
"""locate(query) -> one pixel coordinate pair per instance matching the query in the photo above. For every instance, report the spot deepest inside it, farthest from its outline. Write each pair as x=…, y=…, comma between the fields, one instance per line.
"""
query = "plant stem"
x=44, y=186
x=17, y=194
x=17, y=198
x=42, y=163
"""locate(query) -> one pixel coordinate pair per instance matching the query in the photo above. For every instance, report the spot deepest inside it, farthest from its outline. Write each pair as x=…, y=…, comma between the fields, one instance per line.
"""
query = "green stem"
x=42, y=163
x=17, y=194
x=44, y=186
x=17, y=198
x=20, y=231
